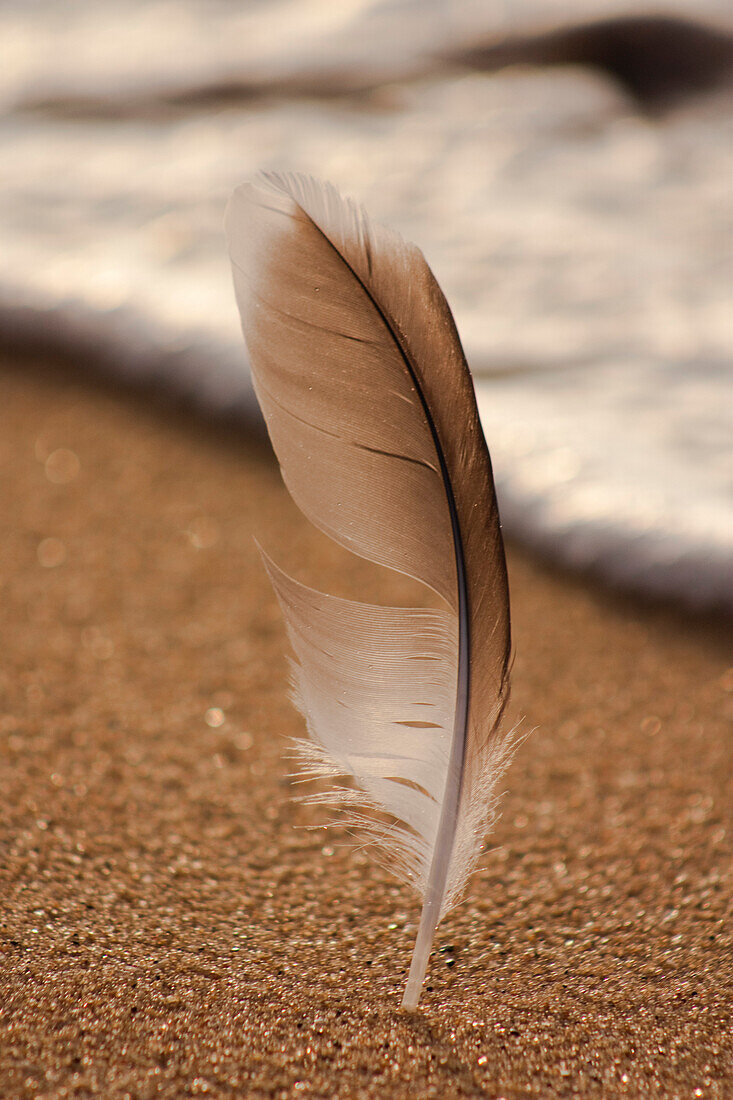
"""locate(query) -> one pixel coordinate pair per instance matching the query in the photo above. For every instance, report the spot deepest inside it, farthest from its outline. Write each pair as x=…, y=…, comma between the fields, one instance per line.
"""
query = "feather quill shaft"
x=370, y=407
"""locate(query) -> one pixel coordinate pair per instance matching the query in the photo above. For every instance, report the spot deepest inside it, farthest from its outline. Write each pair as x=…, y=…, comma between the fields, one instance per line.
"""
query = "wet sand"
x=169, y=927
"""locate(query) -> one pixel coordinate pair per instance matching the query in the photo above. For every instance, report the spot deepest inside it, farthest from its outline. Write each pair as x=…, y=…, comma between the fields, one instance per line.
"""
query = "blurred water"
x=584, y=245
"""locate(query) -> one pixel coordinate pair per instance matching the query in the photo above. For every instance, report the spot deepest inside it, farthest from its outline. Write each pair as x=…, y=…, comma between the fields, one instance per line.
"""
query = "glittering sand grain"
x=166, y=930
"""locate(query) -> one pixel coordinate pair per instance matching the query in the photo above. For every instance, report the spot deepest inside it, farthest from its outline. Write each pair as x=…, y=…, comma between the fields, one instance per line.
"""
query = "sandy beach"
x=171, y=926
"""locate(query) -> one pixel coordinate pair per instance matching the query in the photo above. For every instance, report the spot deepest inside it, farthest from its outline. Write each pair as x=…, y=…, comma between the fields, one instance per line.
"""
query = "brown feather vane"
x=370, y=407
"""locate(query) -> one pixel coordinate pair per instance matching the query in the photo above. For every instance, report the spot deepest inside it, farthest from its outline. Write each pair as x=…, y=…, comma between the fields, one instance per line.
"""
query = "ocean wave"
x=582, y=243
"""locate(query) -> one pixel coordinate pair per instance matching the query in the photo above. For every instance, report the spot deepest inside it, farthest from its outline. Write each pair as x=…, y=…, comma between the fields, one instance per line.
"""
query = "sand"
x=169, y=926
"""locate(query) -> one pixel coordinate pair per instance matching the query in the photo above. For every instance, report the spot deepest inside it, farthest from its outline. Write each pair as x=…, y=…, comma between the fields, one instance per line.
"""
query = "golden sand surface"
x=169, y=927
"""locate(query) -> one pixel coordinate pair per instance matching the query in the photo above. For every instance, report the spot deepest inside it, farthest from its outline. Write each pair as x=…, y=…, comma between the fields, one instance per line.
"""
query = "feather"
x=370, y=407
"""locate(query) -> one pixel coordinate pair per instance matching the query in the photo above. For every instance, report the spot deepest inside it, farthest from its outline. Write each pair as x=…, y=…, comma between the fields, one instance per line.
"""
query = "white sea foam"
x=584, y=247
